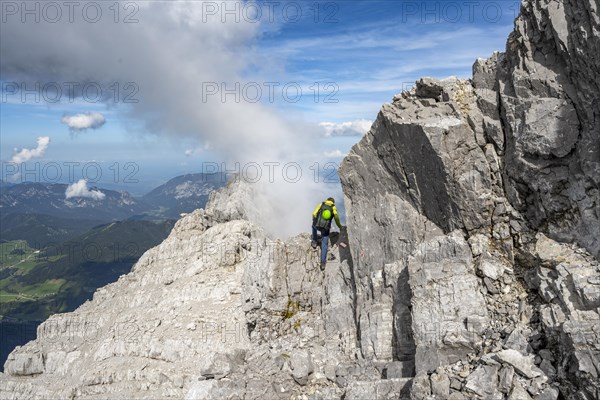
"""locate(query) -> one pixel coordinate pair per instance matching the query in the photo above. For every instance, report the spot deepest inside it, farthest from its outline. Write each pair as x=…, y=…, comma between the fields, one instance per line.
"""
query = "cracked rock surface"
x=470, y=272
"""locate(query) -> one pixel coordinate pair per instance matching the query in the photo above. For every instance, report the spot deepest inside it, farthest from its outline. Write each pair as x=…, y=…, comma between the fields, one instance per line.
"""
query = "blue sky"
x=359, y=53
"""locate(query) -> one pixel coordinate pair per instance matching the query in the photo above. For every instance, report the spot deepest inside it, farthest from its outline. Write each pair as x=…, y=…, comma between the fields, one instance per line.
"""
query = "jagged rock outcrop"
x=216, y=311
x=505, y=162
x=549, y=103
x=471, y=270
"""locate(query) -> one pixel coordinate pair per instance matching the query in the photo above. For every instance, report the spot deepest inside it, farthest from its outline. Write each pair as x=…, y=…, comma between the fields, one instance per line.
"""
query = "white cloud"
x=199, y=149
x=81, y=122
x=168, y=99
x=334, y=154
x=79, y=189
x=172, y=98
x=27, y=154
x=351, y=128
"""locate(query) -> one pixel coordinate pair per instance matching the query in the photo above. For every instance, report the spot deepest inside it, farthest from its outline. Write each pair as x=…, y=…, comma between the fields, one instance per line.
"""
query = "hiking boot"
x=323, y=266
x=313, y=243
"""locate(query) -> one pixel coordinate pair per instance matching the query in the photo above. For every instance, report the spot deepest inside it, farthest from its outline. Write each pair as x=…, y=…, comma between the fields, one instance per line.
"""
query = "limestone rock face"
x=449, y=312
x=549, y=102
x=508, y=163
x=469, y=268
x=217, y=310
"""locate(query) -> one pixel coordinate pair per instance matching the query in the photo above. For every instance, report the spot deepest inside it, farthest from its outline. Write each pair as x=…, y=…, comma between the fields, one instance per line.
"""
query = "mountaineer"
x=321, y=223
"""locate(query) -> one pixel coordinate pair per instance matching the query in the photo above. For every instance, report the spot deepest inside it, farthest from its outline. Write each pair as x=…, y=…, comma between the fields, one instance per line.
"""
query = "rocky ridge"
x=217, y=310
x=471, y=272
x=464, y=189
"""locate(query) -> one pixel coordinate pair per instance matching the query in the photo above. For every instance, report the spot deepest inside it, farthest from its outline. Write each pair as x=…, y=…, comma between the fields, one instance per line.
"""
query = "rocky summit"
x=468, y=270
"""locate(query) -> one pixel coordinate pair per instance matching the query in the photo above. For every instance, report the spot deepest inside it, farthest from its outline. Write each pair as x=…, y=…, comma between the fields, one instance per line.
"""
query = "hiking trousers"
x=324, y=241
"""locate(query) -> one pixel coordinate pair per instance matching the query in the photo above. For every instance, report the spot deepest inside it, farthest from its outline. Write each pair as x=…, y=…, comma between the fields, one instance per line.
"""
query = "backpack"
x=321, y=222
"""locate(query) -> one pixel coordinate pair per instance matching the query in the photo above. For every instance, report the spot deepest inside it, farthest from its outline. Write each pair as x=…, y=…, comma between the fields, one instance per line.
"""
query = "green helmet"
x=326, y=214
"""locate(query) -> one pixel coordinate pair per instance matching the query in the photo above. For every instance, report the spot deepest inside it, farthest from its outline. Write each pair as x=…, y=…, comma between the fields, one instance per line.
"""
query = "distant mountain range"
x=50, y=199
x=4, y=184
x=182, y=194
